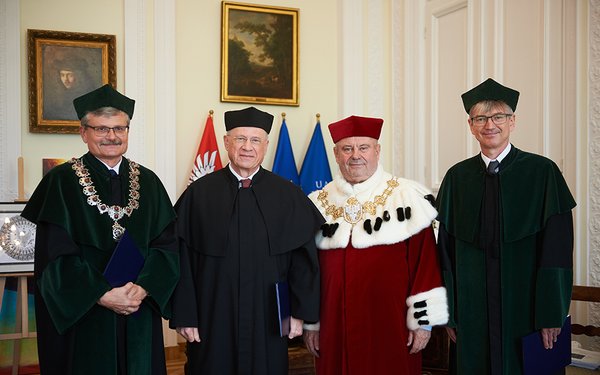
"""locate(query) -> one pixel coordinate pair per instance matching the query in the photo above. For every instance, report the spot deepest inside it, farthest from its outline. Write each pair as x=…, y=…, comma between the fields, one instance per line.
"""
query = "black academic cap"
x=490, y=90
x=104, y=96
x=250, y=117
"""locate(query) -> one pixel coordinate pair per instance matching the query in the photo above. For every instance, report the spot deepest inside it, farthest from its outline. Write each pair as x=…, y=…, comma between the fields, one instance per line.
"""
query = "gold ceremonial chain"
x=114, y=212
x=353, y=211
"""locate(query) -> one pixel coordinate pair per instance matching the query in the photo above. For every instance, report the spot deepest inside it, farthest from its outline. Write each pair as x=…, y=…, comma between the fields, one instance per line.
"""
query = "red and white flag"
x=207, y=158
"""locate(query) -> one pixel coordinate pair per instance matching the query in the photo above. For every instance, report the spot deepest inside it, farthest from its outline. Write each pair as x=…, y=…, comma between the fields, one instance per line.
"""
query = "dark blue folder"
x=540, y=361
x=125, y=263
x=283, y=307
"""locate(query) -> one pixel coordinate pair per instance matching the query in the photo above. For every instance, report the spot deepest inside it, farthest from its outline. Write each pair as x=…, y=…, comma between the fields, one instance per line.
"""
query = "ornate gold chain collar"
x=115, y=212
x=354, y=211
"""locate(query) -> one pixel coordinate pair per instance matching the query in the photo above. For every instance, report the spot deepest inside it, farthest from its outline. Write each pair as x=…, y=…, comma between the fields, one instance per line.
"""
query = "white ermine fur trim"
x=408, y=193
x=436, y=311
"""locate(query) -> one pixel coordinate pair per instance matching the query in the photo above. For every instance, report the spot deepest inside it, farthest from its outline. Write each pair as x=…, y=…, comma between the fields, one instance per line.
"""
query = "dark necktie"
x=115, y=187
x=492, y=168
x=246, y=183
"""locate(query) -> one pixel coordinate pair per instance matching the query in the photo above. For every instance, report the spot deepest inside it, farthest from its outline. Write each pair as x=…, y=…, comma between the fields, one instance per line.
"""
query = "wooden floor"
x=301, y=362
x=175, y=356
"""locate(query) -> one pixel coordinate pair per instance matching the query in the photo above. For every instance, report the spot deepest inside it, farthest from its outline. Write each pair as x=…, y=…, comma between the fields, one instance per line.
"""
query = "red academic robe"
x=370, y=294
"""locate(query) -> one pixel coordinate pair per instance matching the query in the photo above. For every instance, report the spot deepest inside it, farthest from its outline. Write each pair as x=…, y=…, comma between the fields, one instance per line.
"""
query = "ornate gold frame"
x=70, y=46
x=244, y=77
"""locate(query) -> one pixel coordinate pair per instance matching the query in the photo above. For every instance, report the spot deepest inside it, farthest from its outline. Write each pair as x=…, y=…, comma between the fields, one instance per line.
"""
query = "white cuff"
x=312, y=327
x=427, y=308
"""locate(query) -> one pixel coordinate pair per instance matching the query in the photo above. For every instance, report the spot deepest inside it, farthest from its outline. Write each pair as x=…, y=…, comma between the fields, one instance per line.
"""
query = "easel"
x=21, y=316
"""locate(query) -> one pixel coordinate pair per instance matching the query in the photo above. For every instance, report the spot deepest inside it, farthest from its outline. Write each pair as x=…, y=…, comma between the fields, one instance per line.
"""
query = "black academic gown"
x=235, y=245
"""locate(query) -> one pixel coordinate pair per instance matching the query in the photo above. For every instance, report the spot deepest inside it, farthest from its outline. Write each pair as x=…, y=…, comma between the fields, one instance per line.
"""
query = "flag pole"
x=210, y=113
x=318, y=117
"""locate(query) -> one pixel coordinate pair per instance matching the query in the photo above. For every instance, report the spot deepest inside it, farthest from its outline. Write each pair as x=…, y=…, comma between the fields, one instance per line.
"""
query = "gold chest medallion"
x=353, y=211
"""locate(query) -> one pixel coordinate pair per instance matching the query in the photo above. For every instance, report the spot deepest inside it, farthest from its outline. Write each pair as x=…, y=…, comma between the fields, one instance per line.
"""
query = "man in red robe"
x=381, y=286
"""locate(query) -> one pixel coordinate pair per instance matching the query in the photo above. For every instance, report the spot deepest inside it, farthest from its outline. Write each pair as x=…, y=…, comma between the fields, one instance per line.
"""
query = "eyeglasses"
x=104, y=130
x=241, y=140
x=497, y=119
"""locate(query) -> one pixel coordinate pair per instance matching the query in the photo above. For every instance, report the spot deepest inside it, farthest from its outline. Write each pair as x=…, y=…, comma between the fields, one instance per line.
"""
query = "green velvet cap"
x=490, y=90
x=104, y=96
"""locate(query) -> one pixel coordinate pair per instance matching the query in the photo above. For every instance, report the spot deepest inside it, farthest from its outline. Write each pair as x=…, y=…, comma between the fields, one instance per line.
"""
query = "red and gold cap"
x=356, y=126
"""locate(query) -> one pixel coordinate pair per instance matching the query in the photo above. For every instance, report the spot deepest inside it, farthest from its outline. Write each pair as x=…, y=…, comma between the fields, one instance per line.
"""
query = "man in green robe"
x=505, y=240
x=82, y=208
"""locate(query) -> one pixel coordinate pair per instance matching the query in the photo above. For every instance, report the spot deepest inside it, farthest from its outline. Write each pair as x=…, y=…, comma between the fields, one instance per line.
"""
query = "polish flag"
x=207, y=158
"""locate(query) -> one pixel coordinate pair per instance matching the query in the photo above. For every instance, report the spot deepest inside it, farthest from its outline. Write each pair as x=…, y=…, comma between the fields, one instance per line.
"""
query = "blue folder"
x=283, y=307
x=125, y=263
x=538, y=360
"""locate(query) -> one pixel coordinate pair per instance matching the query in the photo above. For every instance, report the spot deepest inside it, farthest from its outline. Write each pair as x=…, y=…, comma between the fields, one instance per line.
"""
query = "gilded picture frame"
x=259, y=54
x=62, y=66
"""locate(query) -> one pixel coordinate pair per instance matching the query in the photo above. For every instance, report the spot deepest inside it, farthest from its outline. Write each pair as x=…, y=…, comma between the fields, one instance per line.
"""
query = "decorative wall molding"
x=10, y=98
x=364, y=62
x=134, y=56
x=398, y=89
x=377, y=60
x=594, y=154
x=164, y=107
x=352, y=51
x=435, y=173
x=165, y=94
x=413, y=90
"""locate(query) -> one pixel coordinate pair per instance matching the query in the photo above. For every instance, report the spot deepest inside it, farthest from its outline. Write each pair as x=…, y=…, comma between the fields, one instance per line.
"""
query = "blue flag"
x=284, y=163
x=315, y=172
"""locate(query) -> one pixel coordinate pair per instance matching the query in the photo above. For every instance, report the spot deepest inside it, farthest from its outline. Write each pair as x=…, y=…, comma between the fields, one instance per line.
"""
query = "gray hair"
x=487, y=105
x=102, y=112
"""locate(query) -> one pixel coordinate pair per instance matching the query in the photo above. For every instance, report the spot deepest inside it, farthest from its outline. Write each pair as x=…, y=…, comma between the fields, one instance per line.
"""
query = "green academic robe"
x=497, y=297
x=74, y=244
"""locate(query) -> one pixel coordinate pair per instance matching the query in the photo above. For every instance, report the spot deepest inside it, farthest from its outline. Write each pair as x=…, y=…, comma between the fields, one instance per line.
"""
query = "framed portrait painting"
x=259, y=54
x=62, y=66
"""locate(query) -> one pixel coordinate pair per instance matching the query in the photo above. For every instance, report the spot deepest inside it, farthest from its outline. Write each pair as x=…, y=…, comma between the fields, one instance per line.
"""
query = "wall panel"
x=445, y=121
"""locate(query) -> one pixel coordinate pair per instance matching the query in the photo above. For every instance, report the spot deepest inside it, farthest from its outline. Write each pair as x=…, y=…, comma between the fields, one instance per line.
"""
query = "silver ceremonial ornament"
x=17, y=238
